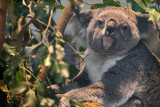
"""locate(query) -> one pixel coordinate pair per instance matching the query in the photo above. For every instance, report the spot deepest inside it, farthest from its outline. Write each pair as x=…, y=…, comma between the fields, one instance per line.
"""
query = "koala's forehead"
x=117, y=13
x=112, y=14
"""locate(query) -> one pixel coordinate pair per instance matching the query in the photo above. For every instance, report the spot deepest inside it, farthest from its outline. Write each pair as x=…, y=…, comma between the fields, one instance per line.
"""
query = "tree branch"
x=3, y=8
x=22, y=30
x=65, y=17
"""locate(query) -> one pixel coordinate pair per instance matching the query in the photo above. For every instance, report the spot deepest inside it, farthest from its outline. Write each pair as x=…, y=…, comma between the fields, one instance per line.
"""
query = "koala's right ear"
x=78, y=27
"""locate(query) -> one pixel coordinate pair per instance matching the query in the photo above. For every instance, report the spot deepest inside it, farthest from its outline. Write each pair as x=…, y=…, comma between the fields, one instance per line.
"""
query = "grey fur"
x=119, y=70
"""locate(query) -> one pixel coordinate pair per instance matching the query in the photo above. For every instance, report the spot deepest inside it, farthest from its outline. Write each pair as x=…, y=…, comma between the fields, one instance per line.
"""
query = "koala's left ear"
x=148, y=30
x=78, y=27
x=146, y=26
x=143, y=23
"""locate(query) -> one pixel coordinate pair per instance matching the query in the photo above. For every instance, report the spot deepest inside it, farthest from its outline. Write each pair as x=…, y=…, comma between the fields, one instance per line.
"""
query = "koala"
x=119, y=68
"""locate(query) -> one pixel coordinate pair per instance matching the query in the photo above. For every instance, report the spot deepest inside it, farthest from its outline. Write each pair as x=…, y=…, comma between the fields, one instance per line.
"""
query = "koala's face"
x=112, y=32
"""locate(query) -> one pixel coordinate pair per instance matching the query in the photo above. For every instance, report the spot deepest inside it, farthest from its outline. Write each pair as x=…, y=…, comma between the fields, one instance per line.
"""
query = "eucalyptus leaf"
x=47, y=102
x=140, y=3
x=19, y=77
x=111, y=3
x=20, y=9
x=137, y=7
x=30, y=49
x=10, y=49
x=153, y=14
x=30, y=99
x=40, y=10
x=40, y=89
x=20, y=88
x=2, y=64
x=147, y=1
x=47, y=61
x=59, y=6
x=77, y=5
x=73, y=101
x=12, y=69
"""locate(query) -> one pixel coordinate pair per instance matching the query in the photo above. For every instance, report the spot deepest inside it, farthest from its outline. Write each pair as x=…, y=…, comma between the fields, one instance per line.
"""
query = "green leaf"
x=59, y=7
x=77, y=5
x=47, y=102
x=47, y=61
x=40, y=9
x=29, y=49
x=147, y=1
x=20, y=9
x=40, y=89
x=153, y=14
x=59, y=71
x=59, y=51
x=19, y=76
x=12, y=69
x=2, y=64
x=73, y=101
x=10, y=49
x=140, y=3
x=111, y=3
x=20, y=88
x=73, y=71
x=35, y=65
x=137, y=7
x=30, y=99
x=157, y=2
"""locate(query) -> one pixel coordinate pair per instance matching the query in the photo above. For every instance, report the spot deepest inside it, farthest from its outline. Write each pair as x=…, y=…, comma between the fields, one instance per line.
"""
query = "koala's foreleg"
x=94, y=93
x=98, y=93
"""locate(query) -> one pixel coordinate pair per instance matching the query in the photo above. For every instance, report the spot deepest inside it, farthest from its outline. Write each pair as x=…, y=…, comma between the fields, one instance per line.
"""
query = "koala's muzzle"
x=108, y=39
x=111, y=27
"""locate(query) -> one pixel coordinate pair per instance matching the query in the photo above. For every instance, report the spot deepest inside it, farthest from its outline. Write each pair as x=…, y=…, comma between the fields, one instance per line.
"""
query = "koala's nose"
x=110, y=27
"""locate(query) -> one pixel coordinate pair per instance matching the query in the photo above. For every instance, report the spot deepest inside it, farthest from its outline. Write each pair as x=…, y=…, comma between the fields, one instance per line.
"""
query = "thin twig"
x=21, y=32
x=90, y=4
x=29, y=72
x=45, y=31
x=29, y=16
x=81, y=57
x=117, y=3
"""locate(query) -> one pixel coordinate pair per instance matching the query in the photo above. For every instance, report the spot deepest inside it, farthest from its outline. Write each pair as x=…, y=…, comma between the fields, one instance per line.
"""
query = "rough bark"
x=65, y=17
x=3, y=8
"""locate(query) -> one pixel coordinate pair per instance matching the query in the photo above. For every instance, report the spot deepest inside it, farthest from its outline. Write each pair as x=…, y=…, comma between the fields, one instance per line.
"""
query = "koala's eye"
x=100, y=22
x=124, y=26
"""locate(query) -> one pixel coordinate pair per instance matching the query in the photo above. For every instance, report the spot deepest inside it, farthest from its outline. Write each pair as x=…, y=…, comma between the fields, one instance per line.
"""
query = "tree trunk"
x=3, y=8
x=65, y=17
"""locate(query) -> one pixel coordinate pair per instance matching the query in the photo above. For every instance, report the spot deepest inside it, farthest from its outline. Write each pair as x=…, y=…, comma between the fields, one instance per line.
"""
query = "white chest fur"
x=96, y=65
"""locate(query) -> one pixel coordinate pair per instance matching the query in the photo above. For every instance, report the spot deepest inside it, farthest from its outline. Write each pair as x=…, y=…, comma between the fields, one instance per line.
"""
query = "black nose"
x=110, y=27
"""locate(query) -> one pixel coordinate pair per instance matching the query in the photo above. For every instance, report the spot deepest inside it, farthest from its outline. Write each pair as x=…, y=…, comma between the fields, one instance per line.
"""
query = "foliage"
x=24, y=55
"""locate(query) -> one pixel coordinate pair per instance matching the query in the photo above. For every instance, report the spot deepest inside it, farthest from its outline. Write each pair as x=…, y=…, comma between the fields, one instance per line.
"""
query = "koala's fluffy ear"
x=78, y=27
x=146, y=26
x=148, y=30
